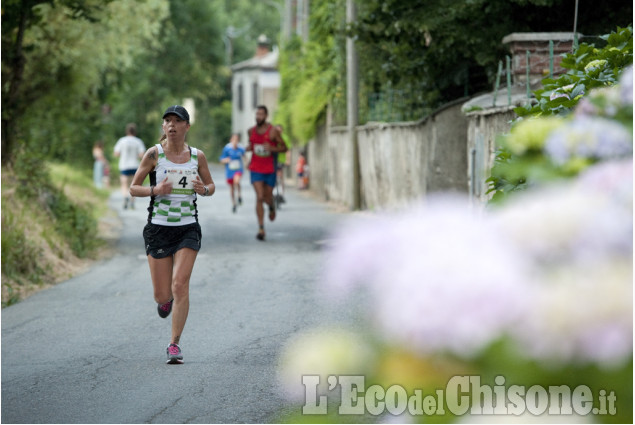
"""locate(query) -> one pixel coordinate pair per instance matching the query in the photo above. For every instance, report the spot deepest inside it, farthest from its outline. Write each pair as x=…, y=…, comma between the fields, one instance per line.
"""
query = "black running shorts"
x=163, y=241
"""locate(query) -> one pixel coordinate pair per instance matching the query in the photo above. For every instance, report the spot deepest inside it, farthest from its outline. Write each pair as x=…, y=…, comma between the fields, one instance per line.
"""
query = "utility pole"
x=352, y=107
x=288, y=10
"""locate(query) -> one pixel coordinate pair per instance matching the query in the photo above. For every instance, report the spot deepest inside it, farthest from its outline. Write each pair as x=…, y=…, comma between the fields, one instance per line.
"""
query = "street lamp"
x=231, y=33
x=280, y=12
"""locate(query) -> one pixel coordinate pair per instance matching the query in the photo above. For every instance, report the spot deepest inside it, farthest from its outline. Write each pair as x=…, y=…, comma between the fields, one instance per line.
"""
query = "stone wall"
x=399, y=162
x=483, y=129
x=451, y=150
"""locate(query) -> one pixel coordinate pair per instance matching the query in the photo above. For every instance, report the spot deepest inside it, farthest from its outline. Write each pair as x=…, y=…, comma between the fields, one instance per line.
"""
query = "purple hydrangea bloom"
x=626, y=86
x=579, y=238
x=585, y=137
x=438, y=277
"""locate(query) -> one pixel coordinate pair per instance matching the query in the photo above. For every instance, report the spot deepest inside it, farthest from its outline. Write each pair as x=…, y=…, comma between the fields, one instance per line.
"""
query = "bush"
x=590, y=88
x=74, y=222
x=589, y=68
x=19, y=257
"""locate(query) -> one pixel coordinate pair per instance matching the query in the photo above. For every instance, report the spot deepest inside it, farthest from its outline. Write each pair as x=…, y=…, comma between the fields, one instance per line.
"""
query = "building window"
x=240, y=96
x=254, y=94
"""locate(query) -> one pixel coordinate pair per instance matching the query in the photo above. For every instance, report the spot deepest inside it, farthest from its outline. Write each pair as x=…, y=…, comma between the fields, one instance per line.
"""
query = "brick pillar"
x=538, y=45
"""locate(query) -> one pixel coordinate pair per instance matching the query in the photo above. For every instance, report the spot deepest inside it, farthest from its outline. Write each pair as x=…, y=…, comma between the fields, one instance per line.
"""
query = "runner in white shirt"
x=129, y=149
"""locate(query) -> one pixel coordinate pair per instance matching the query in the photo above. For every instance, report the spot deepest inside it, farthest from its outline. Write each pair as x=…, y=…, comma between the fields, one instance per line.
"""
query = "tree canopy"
x=417, y=55
x=77, y=72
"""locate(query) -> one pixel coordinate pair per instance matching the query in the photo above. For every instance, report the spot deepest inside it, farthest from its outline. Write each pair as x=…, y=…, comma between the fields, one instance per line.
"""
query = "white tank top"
x=179, y=207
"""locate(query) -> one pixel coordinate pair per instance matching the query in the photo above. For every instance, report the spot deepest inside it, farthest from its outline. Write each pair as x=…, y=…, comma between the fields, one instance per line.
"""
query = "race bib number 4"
x=182, y=180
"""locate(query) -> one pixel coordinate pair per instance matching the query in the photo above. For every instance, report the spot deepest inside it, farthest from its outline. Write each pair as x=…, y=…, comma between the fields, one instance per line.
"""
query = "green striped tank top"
x=179, y=207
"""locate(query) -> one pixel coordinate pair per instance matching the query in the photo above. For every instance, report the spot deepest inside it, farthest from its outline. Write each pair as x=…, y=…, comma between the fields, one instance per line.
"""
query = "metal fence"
x=394, y=105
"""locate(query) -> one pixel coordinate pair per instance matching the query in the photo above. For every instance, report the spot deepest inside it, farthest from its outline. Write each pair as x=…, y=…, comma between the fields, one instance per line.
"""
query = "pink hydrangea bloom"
x=438, y=277
x=579, y=237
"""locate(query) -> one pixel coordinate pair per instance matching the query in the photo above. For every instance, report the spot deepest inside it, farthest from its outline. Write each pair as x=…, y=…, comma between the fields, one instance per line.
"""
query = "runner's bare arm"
x=278, y=144
x=204, y=178
x=148, y=162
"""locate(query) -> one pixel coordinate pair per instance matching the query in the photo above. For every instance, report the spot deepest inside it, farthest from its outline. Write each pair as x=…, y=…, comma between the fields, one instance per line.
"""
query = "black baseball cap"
x=179, y=111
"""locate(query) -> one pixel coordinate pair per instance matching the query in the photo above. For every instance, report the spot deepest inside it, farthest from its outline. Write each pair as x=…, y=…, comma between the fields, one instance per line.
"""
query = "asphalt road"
x=92, y=349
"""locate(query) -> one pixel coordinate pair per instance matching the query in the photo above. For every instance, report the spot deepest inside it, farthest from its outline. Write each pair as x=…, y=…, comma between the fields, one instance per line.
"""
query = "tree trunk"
x=12, y=110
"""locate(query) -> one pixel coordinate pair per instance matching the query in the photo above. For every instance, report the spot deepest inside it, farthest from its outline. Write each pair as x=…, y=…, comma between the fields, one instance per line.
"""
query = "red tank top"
x=261, y=160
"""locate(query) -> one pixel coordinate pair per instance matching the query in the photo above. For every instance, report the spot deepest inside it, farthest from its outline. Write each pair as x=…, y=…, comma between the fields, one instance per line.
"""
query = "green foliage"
x=520, y=159
x=589, y=68
x=501, y=356
x=221, y=118
x=190, y=62
x=312, y=73
x=74, y=222
x=439, y=51
x=77, y=72
x=427, y=52
x=18, y=255
x=31, y=173
x=304, y=107
x=49, y=210
x=67, y=56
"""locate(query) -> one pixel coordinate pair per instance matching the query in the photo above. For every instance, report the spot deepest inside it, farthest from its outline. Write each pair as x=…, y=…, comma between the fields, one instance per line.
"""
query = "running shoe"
x=240, y=200
x=165, y=309
x=234, y=209
x=174, y=354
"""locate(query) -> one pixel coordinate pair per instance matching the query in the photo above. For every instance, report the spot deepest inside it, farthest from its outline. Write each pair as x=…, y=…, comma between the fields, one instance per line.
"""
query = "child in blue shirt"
x=232, y=157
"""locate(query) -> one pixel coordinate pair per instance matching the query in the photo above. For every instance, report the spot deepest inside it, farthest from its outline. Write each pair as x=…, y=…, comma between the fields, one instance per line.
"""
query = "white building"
x=255, y=81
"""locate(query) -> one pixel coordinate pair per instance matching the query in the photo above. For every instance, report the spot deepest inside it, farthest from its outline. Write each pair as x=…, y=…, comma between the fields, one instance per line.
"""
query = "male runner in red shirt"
x=264, y=143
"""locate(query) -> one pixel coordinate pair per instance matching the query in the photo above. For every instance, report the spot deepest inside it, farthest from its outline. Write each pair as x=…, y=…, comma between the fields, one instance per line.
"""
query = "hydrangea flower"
x=604, y=102
x=530, y=134
x=581, y=314
x=567, y=223
x=626, y=86
x=564, y=91
x=322, y=352
x=595, y=66
x=595, y=138
x=598, y=63
x=611, y=179
x=438, y=277
x=579, y=238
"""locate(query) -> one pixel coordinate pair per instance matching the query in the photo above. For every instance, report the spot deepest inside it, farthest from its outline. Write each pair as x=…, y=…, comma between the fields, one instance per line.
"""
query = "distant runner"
x=129, y=149
x=232, y=157
x=264, y=142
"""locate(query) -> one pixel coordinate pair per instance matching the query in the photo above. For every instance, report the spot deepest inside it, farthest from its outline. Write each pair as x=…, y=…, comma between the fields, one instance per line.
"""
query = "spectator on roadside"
x=100, y=166
x=301, y=170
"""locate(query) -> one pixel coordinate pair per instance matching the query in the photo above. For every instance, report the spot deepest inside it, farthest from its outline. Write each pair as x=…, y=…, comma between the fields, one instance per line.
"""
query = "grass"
x=51, y=227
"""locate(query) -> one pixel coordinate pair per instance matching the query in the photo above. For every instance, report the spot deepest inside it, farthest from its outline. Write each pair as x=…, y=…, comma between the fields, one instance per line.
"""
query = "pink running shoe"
x=174, y=354
x=165, y=309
